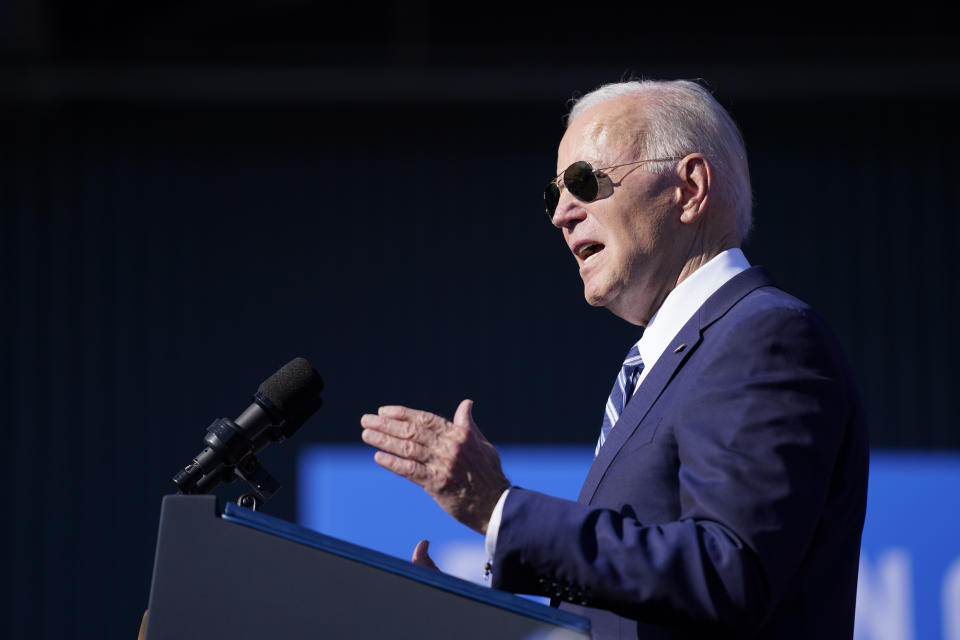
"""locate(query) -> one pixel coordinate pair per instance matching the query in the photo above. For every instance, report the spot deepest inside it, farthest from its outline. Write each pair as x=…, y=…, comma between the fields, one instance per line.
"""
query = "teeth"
x=589, y=251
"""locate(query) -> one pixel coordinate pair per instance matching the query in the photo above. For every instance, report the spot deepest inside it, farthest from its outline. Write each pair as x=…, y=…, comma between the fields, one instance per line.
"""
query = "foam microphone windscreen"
x=293, y=389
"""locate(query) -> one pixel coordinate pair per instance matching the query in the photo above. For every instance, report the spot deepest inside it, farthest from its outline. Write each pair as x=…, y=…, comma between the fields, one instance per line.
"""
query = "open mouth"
x=589, y=251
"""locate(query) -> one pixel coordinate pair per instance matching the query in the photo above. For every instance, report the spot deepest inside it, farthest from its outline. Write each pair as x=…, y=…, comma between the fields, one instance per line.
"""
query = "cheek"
x=646, y=233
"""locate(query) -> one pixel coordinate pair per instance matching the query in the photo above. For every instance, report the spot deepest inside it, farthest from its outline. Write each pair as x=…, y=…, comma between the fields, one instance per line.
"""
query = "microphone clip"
x=229, y=454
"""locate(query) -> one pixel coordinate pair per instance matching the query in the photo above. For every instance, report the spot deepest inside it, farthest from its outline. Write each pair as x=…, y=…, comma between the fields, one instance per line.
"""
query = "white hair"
x=681, y=117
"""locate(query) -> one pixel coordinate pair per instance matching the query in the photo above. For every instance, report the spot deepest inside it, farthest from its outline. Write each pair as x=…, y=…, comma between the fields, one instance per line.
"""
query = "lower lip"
x=590, y=261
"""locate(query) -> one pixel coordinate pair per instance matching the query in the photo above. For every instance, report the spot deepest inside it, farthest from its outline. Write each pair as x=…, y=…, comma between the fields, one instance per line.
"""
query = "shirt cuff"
x=493, y=527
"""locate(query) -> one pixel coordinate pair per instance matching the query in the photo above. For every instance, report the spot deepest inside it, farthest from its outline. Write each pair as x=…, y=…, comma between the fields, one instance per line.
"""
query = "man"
x=728, y=492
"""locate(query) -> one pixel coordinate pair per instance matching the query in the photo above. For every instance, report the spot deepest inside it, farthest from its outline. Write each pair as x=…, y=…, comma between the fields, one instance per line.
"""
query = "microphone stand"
x=281, y=405
x=231, y=454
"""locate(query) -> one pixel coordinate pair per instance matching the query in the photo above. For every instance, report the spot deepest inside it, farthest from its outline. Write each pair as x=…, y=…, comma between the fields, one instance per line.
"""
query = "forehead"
x=605, y=133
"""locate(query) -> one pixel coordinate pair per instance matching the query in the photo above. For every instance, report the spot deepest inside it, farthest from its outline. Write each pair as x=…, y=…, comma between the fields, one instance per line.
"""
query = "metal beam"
x=412, y=85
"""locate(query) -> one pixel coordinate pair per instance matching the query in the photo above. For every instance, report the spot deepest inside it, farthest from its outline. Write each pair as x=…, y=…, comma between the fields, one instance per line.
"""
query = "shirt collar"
x=681, y=303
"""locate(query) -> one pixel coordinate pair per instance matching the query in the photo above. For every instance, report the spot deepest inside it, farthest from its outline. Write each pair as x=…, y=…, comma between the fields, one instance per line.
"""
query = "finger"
x=410, y=469
x=421, y=426
x=397, y=446
x=393, y=411
x=396, y=428
x=464, y=414
x=421, y=557
x=421, y=419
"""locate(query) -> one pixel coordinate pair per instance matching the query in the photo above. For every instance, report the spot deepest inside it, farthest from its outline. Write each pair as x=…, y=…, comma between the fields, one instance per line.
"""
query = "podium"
x=234, y=573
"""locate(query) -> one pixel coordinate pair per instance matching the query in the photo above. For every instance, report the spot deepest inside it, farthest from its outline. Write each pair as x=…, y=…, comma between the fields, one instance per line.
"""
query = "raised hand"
x=452, y=461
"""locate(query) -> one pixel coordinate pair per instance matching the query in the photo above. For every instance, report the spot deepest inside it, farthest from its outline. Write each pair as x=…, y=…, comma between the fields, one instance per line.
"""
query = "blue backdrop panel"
x=342, y=492
x=909, y=584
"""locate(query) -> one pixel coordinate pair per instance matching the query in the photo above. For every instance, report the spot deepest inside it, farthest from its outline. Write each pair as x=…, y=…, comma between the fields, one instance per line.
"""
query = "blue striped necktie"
x=621, y=392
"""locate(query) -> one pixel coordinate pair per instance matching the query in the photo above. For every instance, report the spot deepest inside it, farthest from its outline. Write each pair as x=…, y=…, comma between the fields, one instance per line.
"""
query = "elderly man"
x=728, y=491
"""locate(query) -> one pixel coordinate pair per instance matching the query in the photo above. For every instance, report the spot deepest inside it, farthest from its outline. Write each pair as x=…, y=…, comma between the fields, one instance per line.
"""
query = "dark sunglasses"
x=584, y=183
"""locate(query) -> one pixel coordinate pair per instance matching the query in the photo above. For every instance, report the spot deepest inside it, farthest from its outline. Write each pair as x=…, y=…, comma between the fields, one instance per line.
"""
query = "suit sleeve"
x=757, y=436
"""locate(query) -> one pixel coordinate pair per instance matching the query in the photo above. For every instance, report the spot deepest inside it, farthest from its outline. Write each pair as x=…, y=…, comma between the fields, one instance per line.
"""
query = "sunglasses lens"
x=551, y=197
x=580, y=179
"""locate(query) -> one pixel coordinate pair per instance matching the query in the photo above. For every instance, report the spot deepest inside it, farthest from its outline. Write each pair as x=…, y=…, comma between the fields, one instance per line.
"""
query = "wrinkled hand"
x=452, y=461
x=422, y=558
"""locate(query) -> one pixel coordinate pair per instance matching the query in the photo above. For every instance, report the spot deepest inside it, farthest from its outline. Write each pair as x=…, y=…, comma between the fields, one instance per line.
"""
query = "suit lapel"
x=639, y=405
x=666, y=367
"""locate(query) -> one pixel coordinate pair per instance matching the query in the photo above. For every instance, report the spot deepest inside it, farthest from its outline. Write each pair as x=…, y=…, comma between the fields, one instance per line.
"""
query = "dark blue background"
x=193, y=195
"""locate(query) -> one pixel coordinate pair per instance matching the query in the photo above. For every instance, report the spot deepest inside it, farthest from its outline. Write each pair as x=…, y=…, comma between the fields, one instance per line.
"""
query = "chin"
x=597, y=298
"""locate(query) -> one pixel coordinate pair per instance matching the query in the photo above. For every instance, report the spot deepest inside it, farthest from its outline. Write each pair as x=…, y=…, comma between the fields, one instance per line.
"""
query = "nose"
x=569, y=212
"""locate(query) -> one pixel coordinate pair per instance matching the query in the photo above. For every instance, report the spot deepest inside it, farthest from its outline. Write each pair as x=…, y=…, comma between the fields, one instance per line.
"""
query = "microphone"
x=282, y=403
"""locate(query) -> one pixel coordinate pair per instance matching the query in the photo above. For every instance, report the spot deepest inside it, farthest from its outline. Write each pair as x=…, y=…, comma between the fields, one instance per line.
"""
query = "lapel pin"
x=680, y=348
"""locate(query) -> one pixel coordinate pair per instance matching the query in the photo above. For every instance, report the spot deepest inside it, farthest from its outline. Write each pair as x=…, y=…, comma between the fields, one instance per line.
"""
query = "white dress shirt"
x=677, y=308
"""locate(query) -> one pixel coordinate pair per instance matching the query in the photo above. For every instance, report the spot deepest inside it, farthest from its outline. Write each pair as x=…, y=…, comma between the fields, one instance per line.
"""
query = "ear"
x=693, y=191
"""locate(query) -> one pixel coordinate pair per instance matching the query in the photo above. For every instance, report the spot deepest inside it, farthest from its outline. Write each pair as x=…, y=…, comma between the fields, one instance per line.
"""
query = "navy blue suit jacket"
x=729, y=499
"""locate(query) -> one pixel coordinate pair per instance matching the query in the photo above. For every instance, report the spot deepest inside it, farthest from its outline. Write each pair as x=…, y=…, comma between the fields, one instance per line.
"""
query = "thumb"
x=420, y=556
x=464, y=415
